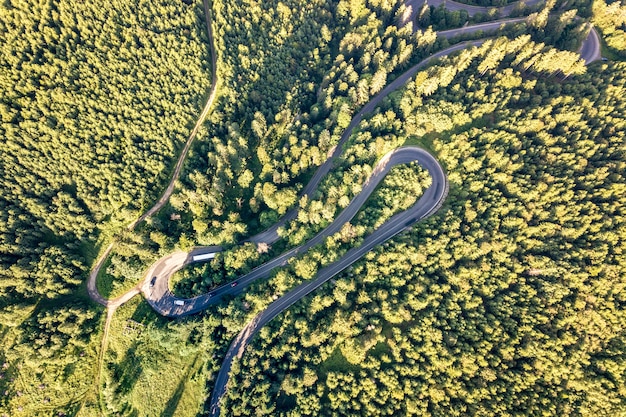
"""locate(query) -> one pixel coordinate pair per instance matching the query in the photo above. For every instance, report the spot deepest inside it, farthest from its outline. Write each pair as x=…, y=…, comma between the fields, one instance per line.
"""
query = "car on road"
x=152, y=281
x=179, y=302
x=234, y=284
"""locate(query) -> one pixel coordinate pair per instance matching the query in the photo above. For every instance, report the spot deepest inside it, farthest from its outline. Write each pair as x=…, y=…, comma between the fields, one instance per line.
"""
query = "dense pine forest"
x=510, y=300
x=97, y=99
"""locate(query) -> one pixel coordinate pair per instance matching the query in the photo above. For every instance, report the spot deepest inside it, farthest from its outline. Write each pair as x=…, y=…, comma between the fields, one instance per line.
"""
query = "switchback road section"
x=155, y=286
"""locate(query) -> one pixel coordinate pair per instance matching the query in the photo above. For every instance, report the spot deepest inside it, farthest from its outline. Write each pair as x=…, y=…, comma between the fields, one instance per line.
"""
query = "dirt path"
x=92, y=288
x=207, y=107
x=103, y=345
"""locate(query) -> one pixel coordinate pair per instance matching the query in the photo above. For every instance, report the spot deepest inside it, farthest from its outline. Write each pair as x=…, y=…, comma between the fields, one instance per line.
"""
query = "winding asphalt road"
x=163, y=301
x=416, y=7
x=424, y=207
x=428, y=204
x=591, y=48
x=157, y=290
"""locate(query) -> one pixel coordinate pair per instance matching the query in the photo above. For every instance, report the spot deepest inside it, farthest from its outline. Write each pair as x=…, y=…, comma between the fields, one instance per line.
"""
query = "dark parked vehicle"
x=152, y=281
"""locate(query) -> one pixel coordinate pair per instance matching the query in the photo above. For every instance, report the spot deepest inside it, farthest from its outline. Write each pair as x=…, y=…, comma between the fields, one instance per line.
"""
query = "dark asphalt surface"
x=481, y=26
x=163, y=301
x=417, y=5
x=590, y=50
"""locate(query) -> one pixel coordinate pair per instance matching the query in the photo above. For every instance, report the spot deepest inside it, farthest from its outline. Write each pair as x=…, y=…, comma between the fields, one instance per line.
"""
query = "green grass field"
x=149, y=368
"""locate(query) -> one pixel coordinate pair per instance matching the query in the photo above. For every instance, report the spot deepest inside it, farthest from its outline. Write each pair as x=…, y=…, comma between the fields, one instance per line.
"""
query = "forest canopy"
x=510, y=300
x=96, y=99
x=611, y=19
x=94, y=107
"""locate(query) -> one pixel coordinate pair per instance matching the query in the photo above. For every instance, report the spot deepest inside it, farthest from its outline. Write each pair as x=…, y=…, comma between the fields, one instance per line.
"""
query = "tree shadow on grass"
x=128, y=371
x=172, y=404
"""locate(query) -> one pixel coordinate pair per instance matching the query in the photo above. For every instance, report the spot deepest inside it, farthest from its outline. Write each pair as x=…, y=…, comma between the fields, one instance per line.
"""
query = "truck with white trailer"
x=203, y=257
